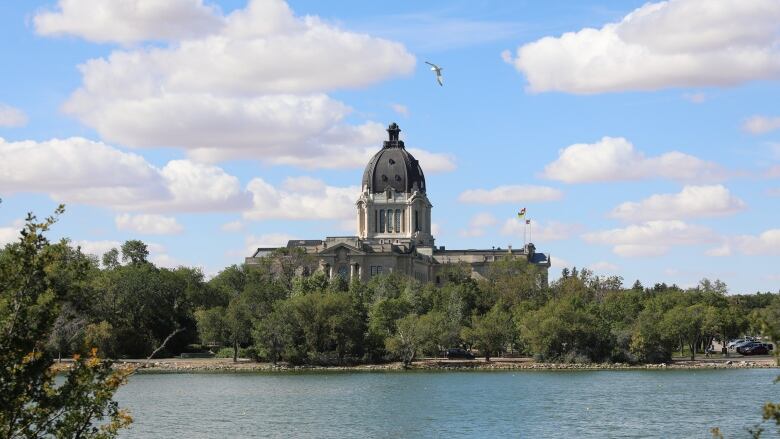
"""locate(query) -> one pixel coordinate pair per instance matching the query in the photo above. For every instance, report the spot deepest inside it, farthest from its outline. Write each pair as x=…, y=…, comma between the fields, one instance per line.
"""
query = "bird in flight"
x=438, y=70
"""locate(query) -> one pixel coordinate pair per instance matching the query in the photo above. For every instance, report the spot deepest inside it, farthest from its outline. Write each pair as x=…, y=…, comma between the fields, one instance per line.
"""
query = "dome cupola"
x=393, y=167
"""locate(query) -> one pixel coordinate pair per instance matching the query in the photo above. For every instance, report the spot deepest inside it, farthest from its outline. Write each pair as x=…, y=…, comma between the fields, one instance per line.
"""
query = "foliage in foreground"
x=35, y=278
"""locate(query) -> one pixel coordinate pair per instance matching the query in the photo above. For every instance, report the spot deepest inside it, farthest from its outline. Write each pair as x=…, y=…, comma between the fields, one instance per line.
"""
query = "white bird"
x=437, y=69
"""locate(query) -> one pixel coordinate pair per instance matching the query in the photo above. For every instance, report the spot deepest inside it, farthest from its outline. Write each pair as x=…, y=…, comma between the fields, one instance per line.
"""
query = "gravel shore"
x=177, y=365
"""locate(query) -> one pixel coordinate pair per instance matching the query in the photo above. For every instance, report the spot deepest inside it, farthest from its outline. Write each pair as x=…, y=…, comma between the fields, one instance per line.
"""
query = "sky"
x=642, y=138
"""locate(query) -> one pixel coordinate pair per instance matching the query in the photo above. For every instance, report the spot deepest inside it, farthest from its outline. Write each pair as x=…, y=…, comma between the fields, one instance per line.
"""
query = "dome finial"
x=393, y=130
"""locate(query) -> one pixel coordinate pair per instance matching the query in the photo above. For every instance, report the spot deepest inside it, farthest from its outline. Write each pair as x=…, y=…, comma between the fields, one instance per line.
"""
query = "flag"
x=521, y=214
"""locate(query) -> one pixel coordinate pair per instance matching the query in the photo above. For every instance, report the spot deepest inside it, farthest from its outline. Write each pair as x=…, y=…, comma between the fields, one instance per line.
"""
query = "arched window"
x=416, y=221
x=389, y=220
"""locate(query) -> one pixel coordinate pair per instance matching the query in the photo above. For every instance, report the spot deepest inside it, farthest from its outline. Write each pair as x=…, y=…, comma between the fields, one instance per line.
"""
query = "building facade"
x=393, y=224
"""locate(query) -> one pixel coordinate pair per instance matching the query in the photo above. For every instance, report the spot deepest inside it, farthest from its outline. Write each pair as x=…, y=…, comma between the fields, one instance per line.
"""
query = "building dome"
x=393, y=167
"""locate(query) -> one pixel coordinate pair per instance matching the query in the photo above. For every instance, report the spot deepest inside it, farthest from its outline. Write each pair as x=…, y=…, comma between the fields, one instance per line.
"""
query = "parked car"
x=458, y=353
x=739, y=346
x=754, y=349
x=734, y=343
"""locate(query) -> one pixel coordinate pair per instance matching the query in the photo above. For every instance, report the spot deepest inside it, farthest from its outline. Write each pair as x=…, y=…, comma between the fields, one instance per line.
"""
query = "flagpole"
x=525, y=234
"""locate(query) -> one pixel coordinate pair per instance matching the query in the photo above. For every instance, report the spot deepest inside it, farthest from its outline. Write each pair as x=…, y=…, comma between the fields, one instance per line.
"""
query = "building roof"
x=303, y=242
x=393, y=167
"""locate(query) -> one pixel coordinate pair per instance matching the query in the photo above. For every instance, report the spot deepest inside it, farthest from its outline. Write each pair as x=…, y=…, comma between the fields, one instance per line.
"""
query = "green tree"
x=493, y=331
x=685, y=323
x=134, y=251
x=230, y=325
x=407, y=339
x=111, y=259
x=33, y=405
x=567, y=327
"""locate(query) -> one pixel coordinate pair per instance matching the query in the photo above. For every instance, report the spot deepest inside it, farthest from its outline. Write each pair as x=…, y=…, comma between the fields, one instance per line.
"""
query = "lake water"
x=532, y=404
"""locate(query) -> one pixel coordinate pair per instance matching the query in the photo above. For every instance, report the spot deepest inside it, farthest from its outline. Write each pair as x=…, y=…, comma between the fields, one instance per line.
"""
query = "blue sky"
x=642, y=138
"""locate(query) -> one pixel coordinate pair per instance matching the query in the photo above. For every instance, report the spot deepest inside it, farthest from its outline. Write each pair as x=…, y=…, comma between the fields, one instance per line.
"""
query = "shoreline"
x=223, y=365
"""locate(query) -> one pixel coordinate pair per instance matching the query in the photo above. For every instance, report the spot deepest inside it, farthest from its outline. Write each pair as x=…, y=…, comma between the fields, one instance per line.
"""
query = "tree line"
x=273, y=311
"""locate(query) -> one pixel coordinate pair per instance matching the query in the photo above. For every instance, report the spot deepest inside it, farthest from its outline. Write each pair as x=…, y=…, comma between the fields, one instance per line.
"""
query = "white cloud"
x=721, y=250
x=267, y=240
x=148, y=224
x=301, y=198
x=128, y=21
x=402, y=110
x=761, y=124
x=97, y=248
x=651, y=238
x=691, y=202
x=233, y=226
x=767, y=243
x=559, y=263
x=615, y=159
x=540, y=232
x=165, y=260
x=603, y=266
x=478, y=224
x=506, y=56
x=262, y=93
x=677, y=43
x=78, y=170
x=11, y=117
x=11, y=233
x=432, y=162
x=510, y=194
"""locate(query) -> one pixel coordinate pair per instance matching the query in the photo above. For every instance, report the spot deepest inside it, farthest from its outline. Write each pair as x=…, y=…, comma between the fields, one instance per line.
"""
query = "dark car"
x=753, y=348
x=458, y=353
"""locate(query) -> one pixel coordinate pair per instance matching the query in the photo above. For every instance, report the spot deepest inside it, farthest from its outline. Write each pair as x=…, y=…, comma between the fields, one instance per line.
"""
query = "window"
x=389, y=220
x=416, y=221
x=381, y=221
x=397, y=220
x=376, y=270
x=403, y=220
x=376, y=220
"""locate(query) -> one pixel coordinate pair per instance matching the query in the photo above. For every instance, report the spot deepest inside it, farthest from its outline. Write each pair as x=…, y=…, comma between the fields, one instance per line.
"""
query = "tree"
x=32, y=404
x=685, y=323
x=111, y=259
x=231, y=325
x=272, y=335
x=407, y=338
x=135, y=251
x=493, y=331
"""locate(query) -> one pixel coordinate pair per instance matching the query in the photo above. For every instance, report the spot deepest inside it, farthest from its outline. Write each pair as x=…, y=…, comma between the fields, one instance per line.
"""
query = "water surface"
x=572, y=404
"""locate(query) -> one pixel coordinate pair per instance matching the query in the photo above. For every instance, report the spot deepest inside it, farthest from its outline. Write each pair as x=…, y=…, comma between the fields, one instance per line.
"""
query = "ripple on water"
x=583, y=404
